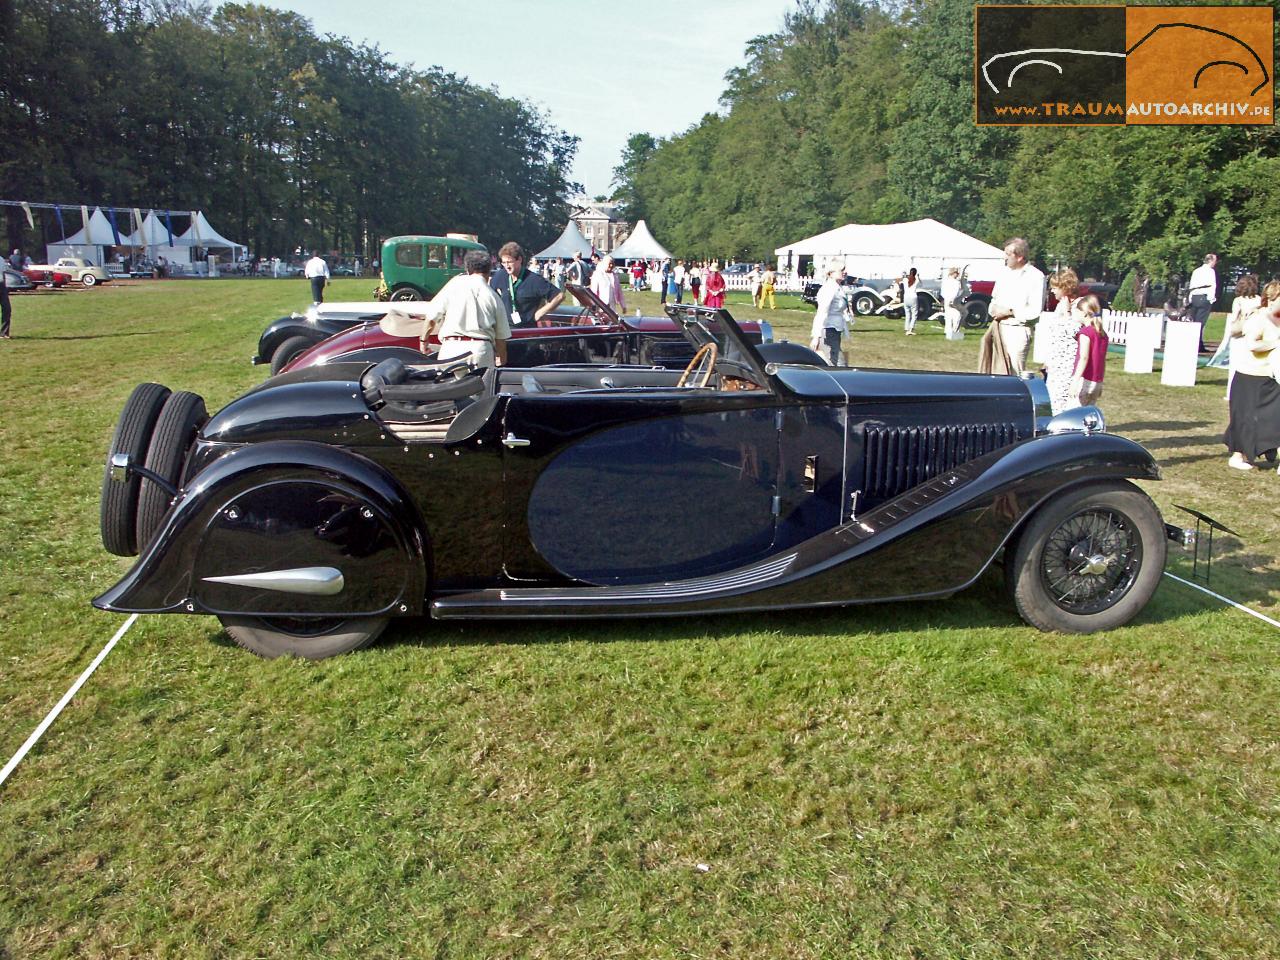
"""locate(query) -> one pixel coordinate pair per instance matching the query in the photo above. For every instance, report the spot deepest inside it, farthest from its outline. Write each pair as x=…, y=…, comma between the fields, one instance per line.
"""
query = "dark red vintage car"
x=47, y=276
x=587, y=333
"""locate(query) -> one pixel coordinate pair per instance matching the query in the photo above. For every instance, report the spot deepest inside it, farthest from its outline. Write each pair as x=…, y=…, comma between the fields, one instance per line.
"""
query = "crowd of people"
x=700, y=280
x=1074, y=339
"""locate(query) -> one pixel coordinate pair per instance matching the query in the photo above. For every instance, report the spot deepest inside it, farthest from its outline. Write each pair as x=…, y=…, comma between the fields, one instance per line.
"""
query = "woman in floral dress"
x=1061, y=333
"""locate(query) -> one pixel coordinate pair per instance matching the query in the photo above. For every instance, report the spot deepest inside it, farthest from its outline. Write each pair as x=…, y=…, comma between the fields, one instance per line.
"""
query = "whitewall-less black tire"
x=118, y=512
x=183, y=415
x=287, y=351
x=312, y=639
x=1088, y=560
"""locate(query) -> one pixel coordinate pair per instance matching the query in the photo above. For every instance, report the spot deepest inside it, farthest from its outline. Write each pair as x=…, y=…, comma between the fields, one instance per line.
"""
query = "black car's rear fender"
x=289, y=528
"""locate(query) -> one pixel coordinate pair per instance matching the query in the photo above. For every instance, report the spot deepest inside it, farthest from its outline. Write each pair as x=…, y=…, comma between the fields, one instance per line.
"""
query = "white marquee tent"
x=154, y=238
x=887, y=250
x=202, y=234
x=87, y=242
x=571, y=241
x=640, y=246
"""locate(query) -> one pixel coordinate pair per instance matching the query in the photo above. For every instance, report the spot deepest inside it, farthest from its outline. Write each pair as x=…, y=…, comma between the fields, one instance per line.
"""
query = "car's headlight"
x=1078, y=420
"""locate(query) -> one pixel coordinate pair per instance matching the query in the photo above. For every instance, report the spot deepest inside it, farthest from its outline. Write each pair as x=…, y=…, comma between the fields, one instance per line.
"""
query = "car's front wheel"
x=400, y=294
x=89, y=279
x=287, y=352
x=1088, y=560
x=313, y=638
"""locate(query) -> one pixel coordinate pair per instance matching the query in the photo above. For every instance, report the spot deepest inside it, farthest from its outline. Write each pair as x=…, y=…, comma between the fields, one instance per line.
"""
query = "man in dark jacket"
x=527, y=296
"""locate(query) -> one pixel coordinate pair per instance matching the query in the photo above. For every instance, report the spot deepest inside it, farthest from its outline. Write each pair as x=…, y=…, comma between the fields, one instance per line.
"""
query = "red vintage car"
x=46, y=276
x=591, y=333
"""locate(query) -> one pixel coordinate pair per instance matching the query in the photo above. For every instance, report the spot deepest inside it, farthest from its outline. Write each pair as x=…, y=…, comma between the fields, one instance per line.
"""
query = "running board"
x=643, y=598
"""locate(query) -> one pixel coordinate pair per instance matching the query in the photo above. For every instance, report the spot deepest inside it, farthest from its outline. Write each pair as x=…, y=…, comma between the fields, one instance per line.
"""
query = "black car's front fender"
x=288, y=528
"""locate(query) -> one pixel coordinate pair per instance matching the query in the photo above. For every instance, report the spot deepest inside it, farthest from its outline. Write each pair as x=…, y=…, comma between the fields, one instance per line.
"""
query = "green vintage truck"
x=415, y=267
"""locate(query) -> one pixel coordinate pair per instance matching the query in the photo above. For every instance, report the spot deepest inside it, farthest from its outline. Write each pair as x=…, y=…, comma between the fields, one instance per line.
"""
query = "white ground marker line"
x=1216, y=596
x=66, y=698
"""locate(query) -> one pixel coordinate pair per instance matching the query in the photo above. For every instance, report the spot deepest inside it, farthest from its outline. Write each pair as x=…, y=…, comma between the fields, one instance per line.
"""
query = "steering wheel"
x=700, y=358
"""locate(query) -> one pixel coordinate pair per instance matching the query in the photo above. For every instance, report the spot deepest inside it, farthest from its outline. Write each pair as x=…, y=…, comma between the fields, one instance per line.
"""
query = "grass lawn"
x=911, y=780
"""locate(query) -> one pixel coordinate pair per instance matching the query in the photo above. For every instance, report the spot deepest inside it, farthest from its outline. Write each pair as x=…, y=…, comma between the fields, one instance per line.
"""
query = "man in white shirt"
x=317, y=271
x=1203, y=292
x=474, y=318
x=1016, y=302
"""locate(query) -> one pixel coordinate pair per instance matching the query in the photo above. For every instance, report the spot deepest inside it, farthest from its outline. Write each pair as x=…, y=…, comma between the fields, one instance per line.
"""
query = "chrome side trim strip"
x=312, y=581
x=749, y=576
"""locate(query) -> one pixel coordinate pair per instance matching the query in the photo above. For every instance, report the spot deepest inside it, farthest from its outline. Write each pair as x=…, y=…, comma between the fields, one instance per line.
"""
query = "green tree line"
x=863, y=112
x=282, y=137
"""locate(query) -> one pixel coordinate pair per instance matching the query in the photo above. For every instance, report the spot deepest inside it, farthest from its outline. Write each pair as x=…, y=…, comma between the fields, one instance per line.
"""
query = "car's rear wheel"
x=1088, y=560
x=400, y=294
x=119, y=509
x=975, y=314
x=287, y=352
x=182, y=416
x=864, y=304
x=89, y=279
x=313, y=638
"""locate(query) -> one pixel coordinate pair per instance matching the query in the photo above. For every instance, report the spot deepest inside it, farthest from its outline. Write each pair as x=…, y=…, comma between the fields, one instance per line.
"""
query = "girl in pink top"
x=1091, y=359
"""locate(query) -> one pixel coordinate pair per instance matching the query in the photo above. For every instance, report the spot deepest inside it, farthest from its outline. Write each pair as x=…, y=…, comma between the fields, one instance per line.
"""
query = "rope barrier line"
x=1227, y=600
x=66, y=698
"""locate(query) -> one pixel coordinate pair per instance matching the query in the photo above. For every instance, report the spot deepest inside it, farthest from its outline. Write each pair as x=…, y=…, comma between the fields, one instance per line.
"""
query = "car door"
x=625, y=486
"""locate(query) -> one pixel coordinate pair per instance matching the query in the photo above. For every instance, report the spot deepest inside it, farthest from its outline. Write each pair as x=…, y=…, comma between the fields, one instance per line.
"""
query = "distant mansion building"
x=600, y=224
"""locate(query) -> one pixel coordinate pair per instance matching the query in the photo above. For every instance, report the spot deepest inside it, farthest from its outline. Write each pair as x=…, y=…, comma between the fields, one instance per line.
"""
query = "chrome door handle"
x=511, y=440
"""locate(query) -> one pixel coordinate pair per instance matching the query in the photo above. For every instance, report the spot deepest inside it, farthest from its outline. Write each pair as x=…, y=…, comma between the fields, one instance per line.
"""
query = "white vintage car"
x=81, y=270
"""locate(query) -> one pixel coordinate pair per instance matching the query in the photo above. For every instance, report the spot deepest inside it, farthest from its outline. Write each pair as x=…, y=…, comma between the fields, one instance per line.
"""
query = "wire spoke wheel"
x=1090, y=561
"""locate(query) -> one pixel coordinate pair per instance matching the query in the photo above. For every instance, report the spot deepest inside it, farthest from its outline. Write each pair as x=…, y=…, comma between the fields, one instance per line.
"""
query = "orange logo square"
x=1199, y=65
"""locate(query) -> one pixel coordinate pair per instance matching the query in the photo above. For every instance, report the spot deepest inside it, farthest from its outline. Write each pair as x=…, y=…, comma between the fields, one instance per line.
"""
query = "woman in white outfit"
x=832, y=318
x=1246, y=301
x=605, y=285
x=910, y=302
x=950, y=293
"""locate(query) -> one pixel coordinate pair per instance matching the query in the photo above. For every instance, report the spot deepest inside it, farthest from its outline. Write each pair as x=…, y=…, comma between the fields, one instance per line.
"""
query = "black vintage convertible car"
x=311, y=510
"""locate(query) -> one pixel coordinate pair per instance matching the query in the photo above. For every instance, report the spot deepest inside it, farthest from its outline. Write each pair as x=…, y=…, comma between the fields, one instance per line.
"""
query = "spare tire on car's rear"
x=183, y=414
x=132, y=436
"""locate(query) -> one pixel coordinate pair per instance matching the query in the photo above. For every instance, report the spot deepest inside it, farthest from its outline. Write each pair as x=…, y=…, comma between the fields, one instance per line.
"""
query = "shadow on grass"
x=93, y=336
x=1243, y=576
x=1177, y=442
x=1173, y=461
x=984, y=606
x=1164, y=425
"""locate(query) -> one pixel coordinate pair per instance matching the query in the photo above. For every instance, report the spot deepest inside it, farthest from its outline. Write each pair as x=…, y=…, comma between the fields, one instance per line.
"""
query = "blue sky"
x=601, y=73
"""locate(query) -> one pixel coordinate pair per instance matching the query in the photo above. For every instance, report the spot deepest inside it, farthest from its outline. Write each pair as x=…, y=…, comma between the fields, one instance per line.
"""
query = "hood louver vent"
x=898, y=459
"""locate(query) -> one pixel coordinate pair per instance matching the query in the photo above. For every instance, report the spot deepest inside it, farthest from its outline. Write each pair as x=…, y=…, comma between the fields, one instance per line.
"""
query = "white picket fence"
x=1142, y=334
